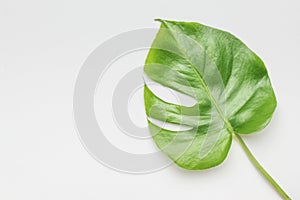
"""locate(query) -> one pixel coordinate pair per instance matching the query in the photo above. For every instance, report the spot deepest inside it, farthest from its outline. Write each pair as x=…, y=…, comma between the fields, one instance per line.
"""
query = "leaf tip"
x=158, y=20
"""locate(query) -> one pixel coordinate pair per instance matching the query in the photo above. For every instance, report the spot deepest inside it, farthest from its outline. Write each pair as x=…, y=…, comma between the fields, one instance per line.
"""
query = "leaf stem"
x=260, y=168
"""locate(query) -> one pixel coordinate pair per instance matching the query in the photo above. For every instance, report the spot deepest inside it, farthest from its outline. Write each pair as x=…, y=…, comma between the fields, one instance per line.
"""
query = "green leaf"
x=229, y=82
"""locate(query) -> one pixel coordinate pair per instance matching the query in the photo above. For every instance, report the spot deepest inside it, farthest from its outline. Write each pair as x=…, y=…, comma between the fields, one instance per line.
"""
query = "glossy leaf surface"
x=229, y=82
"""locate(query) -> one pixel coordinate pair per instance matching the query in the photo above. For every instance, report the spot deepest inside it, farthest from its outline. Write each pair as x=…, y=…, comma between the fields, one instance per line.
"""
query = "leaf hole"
x=168, y=94
x=169, y=126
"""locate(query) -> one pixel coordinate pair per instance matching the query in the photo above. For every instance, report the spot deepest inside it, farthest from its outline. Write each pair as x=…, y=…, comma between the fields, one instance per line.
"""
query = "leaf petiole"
x=260, y=168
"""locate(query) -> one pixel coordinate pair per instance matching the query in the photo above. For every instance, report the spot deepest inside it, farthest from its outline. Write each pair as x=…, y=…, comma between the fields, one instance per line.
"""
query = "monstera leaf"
x=228, y=81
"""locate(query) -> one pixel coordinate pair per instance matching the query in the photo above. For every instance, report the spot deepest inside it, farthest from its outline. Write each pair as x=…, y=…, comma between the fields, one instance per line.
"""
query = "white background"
x=42, y=47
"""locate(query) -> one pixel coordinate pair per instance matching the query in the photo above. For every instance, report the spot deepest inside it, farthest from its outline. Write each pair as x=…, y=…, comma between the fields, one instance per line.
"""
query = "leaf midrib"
x=214, y=102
